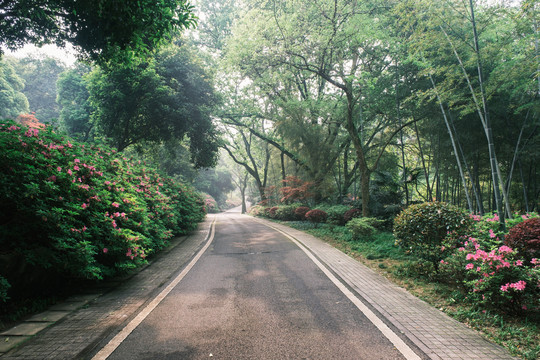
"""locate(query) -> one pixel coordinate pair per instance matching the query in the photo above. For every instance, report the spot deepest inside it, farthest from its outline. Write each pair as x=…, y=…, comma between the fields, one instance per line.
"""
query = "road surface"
x=254, y=294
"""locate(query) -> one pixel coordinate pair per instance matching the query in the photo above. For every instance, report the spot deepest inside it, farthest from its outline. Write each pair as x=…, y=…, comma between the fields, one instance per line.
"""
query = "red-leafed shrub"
x=351, y=214
x=316, y=216
x=272, y=212
x=525, y=238
x=301, y=212
x=296, y=190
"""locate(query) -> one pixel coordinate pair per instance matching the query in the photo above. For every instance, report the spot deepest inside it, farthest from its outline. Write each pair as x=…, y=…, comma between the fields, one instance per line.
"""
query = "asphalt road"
x=255, y=295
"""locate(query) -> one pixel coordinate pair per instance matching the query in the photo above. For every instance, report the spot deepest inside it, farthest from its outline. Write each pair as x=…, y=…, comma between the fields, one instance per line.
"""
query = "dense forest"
x=379, y=104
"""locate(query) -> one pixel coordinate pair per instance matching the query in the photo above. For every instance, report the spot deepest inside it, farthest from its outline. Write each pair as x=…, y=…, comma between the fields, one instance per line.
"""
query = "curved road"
x=254, y=294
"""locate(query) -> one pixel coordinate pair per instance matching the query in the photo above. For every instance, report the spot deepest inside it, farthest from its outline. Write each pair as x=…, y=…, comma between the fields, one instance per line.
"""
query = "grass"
x=519, y=334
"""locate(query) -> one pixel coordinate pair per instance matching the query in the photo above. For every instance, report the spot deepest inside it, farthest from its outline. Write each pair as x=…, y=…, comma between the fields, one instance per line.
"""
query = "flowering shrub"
x=316, y=216
x=76, y=211
x=301, y=212
x=430, y=230
x=210, y=204
x=351, y=214
x=497, y=278
x=525, y=238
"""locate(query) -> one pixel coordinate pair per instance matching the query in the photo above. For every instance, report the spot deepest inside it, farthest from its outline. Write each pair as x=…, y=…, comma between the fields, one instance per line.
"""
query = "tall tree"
x=157, y=100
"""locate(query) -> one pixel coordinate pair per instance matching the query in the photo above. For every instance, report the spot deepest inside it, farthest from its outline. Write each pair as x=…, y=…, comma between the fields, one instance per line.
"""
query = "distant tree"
x=40, y=76
x=12, y=100
x=97, y=28
x=73, y=98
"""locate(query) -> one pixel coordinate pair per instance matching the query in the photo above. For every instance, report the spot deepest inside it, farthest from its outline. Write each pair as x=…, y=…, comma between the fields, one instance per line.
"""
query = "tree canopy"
x=99, y=29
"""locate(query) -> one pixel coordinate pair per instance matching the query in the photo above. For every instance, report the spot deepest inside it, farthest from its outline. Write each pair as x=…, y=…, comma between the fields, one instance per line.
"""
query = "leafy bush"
x=361, y=227
x=525, y=238
x=72, y=211
x=286, y=212
x=256, y=210
x=336, y=214
x=430, y=230
x=351, y=214
x=301, y=212
x=316, y=216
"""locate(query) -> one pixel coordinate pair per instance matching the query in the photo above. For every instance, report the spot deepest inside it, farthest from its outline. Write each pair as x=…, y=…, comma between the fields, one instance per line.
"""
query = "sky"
x=66, y=55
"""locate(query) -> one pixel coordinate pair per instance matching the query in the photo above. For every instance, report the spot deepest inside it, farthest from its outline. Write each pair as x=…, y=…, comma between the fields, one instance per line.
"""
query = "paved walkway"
x=103, y=312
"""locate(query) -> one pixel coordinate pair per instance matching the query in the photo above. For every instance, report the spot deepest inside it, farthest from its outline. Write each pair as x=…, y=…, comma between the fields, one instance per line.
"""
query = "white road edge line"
x=106, y=351
x=383, y=328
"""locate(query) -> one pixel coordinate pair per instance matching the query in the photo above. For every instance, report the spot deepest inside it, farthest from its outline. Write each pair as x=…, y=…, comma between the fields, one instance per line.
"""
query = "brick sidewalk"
x=435, y=333
x=82, y=331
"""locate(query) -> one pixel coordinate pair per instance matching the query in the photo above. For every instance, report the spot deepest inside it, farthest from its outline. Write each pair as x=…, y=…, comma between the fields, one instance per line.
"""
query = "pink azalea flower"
x=469, y=266
x=504, y=288
x=115, y=204
x=84, y=206
x=105, y=250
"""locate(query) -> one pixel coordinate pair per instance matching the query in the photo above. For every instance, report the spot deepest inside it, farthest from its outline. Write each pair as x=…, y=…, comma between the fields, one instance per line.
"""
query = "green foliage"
x=12, y=101
x=362, y=227
x=429, y=230
x=4, y=287
x=525, y=239
x=100, y=30
x=40, y=75
x=336, y=214
x=73, y=98
x=286, y=212
x=156, y=100
x=76, y=211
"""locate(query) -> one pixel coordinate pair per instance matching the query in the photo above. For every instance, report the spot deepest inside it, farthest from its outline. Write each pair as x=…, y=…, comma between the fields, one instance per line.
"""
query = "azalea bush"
x=73, y=211
x=300, y=212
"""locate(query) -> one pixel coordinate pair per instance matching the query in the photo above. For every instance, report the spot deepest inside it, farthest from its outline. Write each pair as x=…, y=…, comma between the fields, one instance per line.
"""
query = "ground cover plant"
x=74, y=211
x=480, y=274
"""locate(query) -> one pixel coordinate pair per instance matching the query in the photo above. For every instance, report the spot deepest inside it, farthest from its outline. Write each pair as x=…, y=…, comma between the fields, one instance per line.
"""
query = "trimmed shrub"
x=361, y=227
x=300, y=212
x=525, y=239
x=286, y=212
x=351, y=214
x=316, y=216
x=431, y=230
x=336, y=214
x=256, y=210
